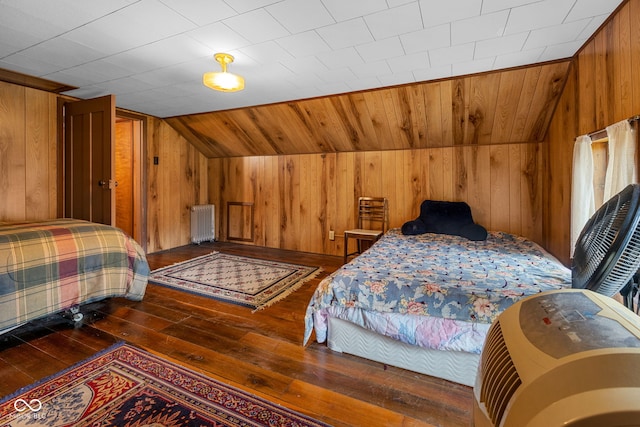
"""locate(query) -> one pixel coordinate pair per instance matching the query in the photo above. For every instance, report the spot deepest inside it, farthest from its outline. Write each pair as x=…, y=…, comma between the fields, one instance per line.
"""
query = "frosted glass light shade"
x=223, y=80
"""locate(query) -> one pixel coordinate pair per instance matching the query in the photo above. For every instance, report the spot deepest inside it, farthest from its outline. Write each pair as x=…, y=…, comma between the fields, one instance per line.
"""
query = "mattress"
x=437, y=276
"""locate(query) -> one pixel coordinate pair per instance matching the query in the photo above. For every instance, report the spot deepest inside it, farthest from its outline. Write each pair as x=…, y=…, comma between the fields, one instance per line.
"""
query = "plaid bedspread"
x=51, y=266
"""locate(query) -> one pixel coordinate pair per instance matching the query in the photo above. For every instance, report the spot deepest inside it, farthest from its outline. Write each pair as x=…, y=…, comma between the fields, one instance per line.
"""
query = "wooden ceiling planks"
x=508, y=106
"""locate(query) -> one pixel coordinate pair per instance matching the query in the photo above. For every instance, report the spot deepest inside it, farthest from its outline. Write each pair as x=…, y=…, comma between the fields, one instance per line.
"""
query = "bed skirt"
x=457, y=366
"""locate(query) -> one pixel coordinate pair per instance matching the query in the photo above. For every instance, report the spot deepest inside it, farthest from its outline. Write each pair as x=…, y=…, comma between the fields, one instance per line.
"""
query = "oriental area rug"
x=249, y=282
x=127, y=387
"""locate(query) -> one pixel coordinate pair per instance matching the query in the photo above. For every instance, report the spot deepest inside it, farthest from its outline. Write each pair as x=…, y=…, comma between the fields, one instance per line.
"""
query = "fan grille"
x=607, y=252
x=500, y=380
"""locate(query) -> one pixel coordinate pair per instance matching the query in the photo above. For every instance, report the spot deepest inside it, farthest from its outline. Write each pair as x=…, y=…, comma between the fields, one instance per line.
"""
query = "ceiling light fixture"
x=223, y=80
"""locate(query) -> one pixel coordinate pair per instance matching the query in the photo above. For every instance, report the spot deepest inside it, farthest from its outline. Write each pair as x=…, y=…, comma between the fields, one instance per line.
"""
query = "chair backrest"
x=373, y=213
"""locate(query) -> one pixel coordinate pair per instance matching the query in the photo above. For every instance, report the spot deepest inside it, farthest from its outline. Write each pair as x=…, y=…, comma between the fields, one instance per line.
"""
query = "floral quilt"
x=441, y=276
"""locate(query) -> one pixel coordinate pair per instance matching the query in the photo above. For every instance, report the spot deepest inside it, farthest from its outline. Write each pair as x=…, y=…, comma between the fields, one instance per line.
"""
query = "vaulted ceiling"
x=492, y=108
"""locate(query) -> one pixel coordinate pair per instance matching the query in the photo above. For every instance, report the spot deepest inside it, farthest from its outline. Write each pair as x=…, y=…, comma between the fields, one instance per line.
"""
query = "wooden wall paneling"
x=562, y=134
x=479, y=182
x=500, y=188
x=436, y=170
x=231, y=191
x=602, y=76
x=327, y=205
x=54, y=168
x=548, y=89
x=621, y=56
x=203, y=178
x=394, y=121
x=586, y=92
x=275, y=209
x=433, y=119
x=214, y=189
x=483, y=95
x=447, y=167
x=460, y=110
x=357, y=128
x=173, y=186
x=316, y=206
x=506, y=107
x=290, y=173
x=372, y=174
x=189, y=185
x=251, y=186
x=601, y=92
x=315, y=122
x=460, y=174
x=170, y=214
x=38, y=116
x=516, y=209
x=226, y=128
x=203, y=143
x=12, y=151
x=306, y=233
x=520, y=132
x=410, y=102
x=260, y=130
x=360, y=111
x=283, y=123
x=415, y=171
x=531, y=189
x=393, y=188
x=332, y=129
x=314, y=193
x=153, y=187
x=345, y=196
x=226, y=187
x=375, y=101
x=259, y=222
x=446, y=102
x=634, y=52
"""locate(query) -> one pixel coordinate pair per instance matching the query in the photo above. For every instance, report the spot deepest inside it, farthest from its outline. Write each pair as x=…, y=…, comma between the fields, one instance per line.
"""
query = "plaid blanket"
x=51, y=266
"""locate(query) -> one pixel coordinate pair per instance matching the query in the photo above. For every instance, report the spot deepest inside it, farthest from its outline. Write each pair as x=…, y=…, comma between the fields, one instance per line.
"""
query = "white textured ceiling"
x=152, y=53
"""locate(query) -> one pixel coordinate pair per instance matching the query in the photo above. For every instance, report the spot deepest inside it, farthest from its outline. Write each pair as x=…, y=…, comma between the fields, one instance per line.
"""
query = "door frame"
x=140, y=193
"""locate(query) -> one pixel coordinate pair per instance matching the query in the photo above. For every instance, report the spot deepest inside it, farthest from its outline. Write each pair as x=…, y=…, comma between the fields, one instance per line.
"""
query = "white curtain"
x=621, y=165
x=582, y=194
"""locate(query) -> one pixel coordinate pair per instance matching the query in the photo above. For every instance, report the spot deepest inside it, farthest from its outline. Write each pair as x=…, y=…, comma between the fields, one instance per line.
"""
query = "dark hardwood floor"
x=260, y=352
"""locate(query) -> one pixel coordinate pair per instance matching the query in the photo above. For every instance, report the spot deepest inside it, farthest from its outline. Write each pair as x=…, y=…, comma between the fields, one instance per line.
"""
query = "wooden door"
x=89, y=181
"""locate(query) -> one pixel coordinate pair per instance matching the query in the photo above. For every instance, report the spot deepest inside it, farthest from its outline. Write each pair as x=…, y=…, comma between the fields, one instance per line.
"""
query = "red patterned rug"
x=249, y=282
x=128, y=387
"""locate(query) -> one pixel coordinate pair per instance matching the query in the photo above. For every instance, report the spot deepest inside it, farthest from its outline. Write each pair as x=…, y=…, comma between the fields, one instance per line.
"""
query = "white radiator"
x=203, y=225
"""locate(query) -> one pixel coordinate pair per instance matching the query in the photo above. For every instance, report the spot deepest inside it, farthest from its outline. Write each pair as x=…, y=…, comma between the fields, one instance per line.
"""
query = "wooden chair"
x=373, y=221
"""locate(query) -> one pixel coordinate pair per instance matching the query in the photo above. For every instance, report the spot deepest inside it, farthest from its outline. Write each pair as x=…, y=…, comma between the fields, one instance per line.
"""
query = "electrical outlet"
x=332, y=235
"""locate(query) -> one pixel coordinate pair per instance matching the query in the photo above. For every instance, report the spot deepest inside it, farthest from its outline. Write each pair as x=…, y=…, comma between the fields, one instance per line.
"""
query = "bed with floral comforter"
x=434, y=290
x=51, y=266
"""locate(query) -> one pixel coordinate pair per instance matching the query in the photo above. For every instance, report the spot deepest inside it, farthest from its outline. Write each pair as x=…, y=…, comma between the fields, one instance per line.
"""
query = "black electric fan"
x=607, y=254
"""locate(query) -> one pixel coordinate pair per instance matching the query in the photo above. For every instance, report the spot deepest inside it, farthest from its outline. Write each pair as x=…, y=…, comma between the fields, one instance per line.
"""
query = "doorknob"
x=108, y=185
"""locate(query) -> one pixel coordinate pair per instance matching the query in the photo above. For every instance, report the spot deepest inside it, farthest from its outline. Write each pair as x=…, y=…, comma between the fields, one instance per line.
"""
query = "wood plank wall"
x=505, y=106
x=178, y=181
x=28, y=168
x=298, y=199
x=28, y=156
x=603, y=87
